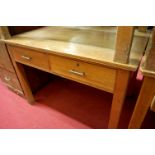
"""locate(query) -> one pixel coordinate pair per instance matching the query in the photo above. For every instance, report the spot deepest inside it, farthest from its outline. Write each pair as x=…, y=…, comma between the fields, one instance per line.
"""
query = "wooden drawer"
x=90, y=74
x=30, y=57
x=10, y=79
x=5, y=61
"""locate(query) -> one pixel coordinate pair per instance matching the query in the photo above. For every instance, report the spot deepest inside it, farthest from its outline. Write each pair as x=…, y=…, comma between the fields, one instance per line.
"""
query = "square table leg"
x=121, y=85
x=24, y=82
x=143, y=103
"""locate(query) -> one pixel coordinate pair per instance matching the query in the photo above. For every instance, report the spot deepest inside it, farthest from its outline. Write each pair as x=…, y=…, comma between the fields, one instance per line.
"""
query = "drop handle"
x=25, y=57
x=77, y=72
x=7, y=78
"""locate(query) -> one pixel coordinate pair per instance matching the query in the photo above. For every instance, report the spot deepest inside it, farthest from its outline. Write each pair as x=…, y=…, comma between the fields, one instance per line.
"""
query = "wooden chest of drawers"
x=7, y=72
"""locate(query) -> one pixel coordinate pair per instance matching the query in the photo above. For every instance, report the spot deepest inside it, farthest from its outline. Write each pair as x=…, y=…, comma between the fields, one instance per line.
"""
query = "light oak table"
x=101, y=57
x=146, y=97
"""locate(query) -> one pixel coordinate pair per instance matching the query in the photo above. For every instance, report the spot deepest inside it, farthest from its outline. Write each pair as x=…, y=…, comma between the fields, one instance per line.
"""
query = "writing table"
x=101, y=57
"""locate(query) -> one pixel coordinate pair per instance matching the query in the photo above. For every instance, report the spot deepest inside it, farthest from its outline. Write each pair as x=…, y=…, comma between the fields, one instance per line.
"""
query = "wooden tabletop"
x=146, y=72
x=91, y=44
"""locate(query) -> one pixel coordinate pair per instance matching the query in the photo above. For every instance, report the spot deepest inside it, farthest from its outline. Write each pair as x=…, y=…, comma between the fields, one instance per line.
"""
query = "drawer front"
x=5, y=60
x=30, y=57
x=10, y=79
x=90, y=74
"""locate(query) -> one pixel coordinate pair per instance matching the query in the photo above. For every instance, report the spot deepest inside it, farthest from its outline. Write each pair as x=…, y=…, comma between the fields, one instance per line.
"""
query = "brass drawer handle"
x=25, y=57
x=7, y=78
x=77, y=72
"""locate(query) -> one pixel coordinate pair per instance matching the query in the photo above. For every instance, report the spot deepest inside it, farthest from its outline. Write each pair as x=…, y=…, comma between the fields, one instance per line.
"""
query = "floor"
x=64, y=104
